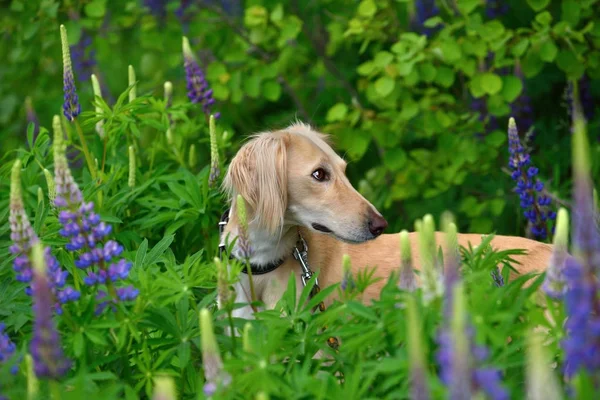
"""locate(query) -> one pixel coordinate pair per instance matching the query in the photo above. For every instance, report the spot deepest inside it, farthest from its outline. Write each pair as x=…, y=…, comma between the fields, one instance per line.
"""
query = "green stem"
x=55, y=391
x=251, y=281
x=86, y=151
x=230, y=318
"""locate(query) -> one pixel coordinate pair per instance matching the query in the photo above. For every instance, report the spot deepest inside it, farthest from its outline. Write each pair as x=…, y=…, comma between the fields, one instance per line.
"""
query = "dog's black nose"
x=377, y=224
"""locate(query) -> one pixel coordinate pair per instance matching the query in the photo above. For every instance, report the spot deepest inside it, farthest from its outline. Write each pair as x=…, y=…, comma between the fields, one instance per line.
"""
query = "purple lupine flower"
x=490, y=122
x=87, y=234
x=197, y=86
x=522, y=108
x=7, y=348
x=24, y=238
x=424, y=9
x=158, y=8
x=83, y=57
x=496, y=8
x=46, y=350
x=461, y=360
x=529, y=188
x=71, y=106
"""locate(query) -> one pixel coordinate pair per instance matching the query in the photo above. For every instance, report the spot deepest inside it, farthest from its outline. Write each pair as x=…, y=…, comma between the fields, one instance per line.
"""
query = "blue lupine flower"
x=83, y=57
x=46, y=350
x=87, y=234
x=425, y=9
x=24, y=238
x=496, y=8
x=197, y=86
x=158, y=8
x=7, y=348
x=533, y=202
x=71, y=106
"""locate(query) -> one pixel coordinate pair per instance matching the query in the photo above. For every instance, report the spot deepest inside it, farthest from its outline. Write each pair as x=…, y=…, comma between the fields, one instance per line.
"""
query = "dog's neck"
x=265, y=247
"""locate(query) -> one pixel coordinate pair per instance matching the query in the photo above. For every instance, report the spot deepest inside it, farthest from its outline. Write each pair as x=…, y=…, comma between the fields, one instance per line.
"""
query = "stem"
x=55, y=390
x=251, y=281
x=233, y=341
x=105, y=145
x=86, y=151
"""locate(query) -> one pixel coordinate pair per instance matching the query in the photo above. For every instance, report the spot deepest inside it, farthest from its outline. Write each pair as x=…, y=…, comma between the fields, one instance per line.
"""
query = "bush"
x=416, y=94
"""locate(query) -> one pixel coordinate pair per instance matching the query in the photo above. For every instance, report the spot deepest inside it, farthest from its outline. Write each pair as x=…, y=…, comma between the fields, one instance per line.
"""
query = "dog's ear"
x=258, y=172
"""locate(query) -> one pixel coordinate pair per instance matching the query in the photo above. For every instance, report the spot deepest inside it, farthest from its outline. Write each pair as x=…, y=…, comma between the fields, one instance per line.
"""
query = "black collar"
x=254, y=268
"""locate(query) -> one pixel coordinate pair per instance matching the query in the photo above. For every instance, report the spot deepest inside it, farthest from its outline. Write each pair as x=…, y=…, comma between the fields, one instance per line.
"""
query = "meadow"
x=118, y=121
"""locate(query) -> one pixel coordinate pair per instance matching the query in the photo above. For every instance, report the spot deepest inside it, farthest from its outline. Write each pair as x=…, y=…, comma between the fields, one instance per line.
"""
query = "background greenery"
x=419, y=106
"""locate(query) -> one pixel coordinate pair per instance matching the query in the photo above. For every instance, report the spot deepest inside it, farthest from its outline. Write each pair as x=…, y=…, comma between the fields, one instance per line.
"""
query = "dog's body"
x=293, y=182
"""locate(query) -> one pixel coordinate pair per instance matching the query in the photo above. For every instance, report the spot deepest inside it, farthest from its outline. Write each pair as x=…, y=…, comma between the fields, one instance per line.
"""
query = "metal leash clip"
x=302, y=257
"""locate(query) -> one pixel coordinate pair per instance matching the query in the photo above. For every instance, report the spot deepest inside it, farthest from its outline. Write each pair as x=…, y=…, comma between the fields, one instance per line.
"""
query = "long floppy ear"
x=259, y=173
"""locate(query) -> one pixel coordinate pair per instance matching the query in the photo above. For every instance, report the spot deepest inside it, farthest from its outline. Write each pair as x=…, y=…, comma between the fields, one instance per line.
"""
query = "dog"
x=294, y=185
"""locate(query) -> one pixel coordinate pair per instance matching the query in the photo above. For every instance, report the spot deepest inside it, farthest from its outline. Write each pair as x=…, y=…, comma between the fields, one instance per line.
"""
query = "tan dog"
x=293, y=181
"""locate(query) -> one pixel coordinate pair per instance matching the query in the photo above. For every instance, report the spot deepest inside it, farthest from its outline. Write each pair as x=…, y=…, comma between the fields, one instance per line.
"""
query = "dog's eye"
x=320, y=174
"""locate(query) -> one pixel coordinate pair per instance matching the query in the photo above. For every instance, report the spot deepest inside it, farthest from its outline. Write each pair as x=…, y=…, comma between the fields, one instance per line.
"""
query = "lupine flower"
x=84, y=57
x=246, y=340
x=33, y=385
x=529, y=188
x=225, y=293
x=32, y=117
x=522, y=108
x=452, y=263
x=347, y=279
x=215, y=171
x=51, y=186
x=131, y=180
x=418, y=380
x=180, y=13
x=71, y=106
x=132, y=83
x=243, y=240
x=7, y=348
x=192, y=159
x=407, y=276
x=164, y=388
x=424, y=9
x=168, y=87
x=169, y=136
x=431, y=272
x=214, y=374
x=88, y=235
x=554, y=282
x=197, y=86
x=460, y=359
x=586, y=98
x=24, y=238
x=99, y=110
x=158, y=8
x=490, y=122
x=582, y=342
x=541, y=381
x=46, y=350
x=496, y=8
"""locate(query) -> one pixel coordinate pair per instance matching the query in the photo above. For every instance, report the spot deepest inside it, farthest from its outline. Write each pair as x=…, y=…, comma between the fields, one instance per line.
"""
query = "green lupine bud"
x=541, y=381
x=40, y=195
x=16, y=195
x=215, y=172
x=596, y=201
x=164, y=388
x=187, y=49
x=169, y=135
x=246, y=340
x=243, y=242
x=32, y=381
x=262, y=396
x=131, y=181
x=347, y=279
x=461, y=354
x=99, y=111
x=407, y=279
x=554, y=282
x=431, y=274
x=58, y=145
x=133, y=91
x=51, y=186
x=416, y=352
x=168, y=86
x=445, y=219
x=225, y=297
x=192, y=159
x=211, y=358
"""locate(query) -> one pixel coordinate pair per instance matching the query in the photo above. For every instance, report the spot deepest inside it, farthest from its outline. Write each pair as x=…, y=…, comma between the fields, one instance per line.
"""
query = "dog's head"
x=293, y=176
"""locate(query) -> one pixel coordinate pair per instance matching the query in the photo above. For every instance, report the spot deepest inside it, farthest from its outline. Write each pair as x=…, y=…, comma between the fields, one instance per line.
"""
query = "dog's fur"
x=273, y=173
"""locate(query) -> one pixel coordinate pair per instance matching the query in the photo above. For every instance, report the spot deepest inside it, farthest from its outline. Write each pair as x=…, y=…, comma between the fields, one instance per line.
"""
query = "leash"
x=300, y=253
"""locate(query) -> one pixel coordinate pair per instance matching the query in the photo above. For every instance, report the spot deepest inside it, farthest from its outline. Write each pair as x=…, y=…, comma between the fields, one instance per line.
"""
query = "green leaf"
x=511, y=88
x=383, y=58
x=491, y=83
x=544, y=18
x=445, y=76
x=394, y=159
x=158, y=250
x=95, y=9
x=140, y=255
x=427, y=72
x=519, y=49
x=571, y=12
x=272, y=90
x=385, y=85
x=467, y=6
x=451, y=51
x=367, y=8
x=548, y=51
x=532, y=64
x=252, y=86
x=570, y=64
x=538, y=5
x=337, y=113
